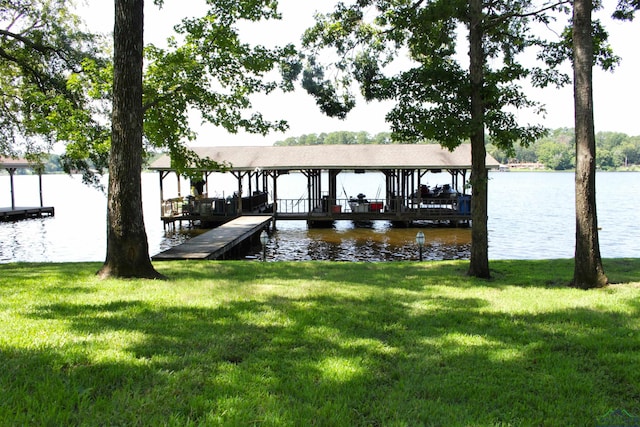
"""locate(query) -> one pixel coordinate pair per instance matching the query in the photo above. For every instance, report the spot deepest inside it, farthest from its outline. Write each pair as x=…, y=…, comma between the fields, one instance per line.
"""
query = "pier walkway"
x=217, y=242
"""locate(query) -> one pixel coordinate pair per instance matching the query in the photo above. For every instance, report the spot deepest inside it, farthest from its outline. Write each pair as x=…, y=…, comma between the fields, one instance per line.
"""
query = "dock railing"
x=397, y=208
x=206, y=207
x=459, y=205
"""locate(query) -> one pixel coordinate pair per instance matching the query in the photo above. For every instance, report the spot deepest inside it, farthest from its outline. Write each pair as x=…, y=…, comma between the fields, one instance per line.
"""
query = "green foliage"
x=554, y=155
x=554, y=53
x=556, y=151
x=626, y=9
x=432, y=91
x=44, y=61
x=341, y=137
x=330, y=102
x=317, y=343
x=57, y=86
x=345, y=138
x=211, y=71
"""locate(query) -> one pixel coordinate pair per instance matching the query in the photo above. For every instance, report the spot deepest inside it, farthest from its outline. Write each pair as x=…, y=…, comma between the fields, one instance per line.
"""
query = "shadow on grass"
x=413, y=358
x=411, y=276
x=545, y=274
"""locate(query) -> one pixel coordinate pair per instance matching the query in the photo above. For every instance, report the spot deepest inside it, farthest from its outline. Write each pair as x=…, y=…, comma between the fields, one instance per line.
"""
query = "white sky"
x=615, y=94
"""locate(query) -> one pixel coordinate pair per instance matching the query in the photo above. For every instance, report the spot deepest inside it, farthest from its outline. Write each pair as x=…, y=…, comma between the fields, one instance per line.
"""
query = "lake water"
x=531, y=216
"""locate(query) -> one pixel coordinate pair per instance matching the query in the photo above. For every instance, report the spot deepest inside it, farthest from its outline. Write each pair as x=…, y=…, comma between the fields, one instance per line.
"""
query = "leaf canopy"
x=214, y=73
x=56, y=81
x=410, y=52
x=44, y=59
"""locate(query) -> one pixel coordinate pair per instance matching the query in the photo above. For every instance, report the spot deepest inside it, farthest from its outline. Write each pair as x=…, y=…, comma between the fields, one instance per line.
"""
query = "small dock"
x=217, y=242
x=16, y=213
x=19, y=213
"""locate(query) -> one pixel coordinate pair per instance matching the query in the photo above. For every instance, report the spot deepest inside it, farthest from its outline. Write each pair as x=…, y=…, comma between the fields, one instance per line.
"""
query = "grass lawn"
x=319, y=343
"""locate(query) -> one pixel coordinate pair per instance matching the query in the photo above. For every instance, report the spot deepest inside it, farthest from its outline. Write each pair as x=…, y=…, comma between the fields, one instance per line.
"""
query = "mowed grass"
x=318, y=343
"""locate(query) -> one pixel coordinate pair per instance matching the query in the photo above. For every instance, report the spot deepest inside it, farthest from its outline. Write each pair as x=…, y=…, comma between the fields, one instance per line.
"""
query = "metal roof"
x=326, y=157
x=7, y=162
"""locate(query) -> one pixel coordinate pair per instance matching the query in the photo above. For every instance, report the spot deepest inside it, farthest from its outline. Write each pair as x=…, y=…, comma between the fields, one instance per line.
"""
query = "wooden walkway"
x=18, y=213
x=216, y=242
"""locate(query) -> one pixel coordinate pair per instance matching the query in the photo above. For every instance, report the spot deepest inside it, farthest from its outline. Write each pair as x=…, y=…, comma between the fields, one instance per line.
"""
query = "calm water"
x=531, y=216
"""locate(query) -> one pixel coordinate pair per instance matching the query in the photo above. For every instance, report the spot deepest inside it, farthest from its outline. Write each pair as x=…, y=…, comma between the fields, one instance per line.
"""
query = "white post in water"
x=264, y=239
x=420, y=242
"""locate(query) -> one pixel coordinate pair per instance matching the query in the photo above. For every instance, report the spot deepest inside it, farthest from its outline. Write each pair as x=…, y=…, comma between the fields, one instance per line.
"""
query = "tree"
x=436, y=97
x=479, y=265
x=211, y=71
x=588, y=271
x=557, y=150
x=629, y=151
x=44, y=59
x=587, y=38
x=585, y=43
x=214, y=73
x=127, y=247
x=554, y=155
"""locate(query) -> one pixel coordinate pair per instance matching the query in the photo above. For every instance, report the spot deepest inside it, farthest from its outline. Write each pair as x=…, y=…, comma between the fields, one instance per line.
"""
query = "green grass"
x=318, y=343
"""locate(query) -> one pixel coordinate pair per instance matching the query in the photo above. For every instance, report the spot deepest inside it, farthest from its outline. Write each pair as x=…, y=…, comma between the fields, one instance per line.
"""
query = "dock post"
x=40, y=185
x=13, y=199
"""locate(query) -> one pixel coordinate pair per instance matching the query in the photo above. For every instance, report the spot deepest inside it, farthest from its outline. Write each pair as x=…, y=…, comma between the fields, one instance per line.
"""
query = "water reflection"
x=13, y=245
x=346, y=241
x=531, y=216
x=378, y=241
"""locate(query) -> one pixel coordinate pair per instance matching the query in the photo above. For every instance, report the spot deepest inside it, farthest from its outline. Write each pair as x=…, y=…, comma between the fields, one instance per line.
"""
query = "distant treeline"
x=556, y=151
x=53, y=164
x=614, y=150
x=339, y=138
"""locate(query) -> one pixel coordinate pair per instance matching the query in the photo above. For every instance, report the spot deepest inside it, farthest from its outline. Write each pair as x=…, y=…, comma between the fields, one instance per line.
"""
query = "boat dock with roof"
x=14, y=212
x=406, y=198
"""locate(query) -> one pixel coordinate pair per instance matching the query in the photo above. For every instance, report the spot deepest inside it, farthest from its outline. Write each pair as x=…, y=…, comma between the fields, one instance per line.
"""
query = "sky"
x=616, y=94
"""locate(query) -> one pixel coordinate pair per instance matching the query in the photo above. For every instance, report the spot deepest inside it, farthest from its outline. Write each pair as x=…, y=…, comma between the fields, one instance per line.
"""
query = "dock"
x=18, y=213
x=217, y=242
x=422, y=182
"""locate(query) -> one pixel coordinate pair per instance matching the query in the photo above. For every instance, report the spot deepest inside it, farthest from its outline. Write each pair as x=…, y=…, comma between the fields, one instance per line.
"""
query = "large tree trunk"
x=127, y=247
x=588, y=271
x=479, y=266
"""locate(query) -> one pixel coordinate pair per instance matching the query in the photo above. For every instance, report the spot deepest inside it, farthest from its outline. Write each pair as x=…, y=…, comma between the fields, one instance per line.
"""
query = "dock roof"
x=8, y=162
x=327, y=157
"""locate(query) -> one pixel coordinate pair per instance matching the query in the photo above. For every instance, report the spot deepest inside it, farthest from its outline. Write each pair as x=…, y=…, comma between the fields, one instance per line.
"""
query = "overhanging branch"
x=507, y=16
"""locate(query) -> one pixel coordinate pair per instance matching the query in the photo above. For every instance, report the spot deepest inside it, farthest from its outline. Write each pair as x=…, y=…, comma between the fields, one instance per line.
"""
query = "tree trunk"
x=479, y=266
x=127, y=247
x=588, y=272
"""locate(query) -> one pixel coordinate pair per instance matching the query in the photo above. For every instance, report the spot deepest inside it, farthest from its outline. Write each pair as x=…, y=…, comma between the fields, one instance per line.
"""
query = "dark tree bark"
x=127, y=247
x=588, y=272
x=479, y=265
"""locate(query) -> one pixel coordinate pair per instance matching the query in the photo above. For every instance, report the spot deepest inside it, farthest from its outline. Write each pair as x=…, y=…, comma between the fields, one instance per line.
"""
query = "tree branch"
x=41, y=48
x=36, y=46
x=504, y=17
x=30, y=70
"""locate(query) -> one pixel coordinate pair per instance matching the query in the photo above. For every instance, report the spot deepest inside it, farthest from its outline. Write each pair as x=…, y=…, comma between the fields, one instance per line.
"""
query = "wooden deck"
x=216, y=242
x=18, y=213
